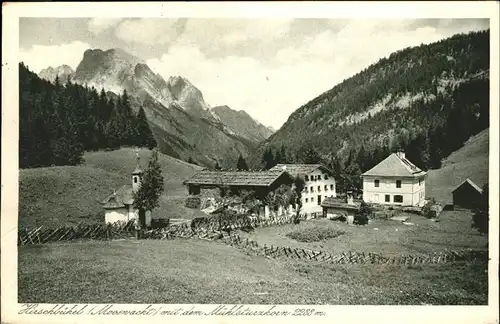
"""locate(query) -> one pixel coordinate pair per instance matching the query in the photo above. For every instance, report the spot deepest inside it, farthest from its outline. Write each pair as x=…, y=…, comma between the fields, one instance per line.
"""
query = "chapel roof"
x=119, y=199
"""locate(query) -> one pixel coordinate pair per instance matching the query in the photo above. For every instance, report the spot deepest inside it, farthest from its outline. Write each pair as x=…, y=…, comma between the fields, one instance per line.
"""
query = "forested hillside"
x=59, y=122
x=426, y=100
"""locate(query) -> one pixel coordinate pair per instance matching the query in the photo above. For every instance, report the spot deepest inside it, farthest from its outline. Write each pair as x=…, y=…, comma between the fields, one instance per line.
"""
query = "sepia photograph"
x=254, y=161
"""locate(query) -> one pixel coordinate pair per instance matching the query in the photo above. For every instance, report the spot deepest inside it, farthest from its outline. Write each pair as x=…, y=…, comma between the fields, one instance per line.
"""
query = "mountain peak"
x=242, y=123
x=186, y=94
x=63, y=72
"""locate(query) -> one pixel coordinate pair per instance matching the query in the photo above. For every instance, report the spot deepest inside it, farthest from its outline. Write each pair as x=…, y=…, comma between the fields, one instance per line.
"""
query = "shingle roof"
x=394, y=166
x=122, y=197
x=240, y=178
x=335, y=202
x=296, y=169
x=471, y=183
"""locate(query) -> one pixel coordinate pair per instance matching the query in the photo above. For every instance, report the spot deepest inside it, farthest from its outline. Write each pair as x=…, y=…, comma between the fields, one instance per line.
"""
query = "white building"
x=394, y=181
x=119, y=206
x=319, y=184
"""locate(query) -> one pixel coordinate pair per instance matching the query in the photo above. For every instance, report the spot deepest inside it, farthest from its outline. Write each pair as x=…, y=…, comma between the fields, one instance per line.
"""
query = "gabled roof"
x=296, y=169
x=236, y=178
x=470, y=183
x=119, y=199
x=336, y=202
x=395, y=166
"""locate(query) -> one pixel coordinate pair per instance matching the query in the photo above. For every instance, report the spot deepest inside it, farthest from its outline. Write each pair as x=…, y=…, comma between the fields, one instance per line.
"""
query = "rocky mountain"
x=242, y=123
x=428, y=99
x=63, y=72
x=183, y=123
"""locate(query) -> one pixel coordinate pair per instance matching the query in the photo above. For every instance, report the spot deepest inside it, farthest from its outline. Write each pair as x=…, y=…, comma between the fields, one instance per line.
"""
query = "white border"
x=348, y=314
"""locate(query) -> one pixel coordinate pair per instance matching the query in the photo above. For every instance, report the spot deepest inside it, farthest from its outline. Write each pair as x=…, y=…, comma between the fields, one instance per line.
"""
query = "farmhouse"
x=467, y=195
x=319, y=184
x=260, y=182
x=119, y=206
x=394, y=181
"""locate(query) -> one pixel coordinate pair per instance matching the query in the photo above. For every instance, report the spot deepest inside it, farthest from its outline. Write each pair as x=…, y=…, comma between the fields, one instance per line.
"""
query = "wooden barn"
x=262, y=182
x=467, y=195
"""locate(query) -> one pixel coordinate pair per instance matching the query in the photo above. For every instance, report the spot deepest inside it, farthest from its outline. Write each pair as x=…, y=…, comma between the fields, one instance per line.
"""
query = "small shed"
x=334, y=207
x=467, y=195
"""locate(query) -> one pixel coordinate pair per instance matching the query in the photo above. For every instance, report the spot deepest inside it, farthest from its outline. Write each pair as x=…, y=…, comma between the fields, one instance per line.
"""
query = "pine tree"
x=298, y=185
x=144, y=135
x=268, y=159
x=152, y=186
x=284, y=155
x=241, y=165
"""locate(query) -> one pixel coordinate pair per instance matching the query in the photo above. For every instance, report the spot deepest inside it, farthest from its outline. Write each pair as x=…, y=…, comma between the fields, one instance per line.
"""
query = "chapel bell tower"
x=137, y=173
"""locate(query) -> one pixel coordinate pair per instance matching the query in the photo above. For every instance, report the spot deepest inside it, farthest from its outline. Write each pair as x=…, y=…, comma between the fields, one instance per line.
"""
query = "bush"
x=363, y=214
x=480, y=221
x=360, y=219
x=427, y=209
x=481, y=217
x=314, y=234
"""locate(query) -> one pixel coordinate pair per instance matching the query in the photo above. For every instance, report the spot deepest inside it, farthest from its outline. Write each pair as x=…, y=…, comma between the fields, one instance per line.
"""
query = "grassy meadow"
x=386, y=237
x=471, y=161
x=197, y=271
x=71, y=194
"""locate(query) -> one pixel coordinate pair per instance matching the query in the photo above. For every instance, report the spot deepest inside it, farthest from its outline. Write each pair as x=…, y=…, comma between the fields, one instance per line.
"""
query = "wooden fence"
x=353, y=257
x=41, y=235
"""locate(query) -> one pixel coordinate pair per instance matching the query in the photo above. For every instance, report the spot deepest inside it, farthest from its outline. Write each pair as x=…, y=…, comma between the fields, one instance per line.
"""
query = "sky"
x=266, y=67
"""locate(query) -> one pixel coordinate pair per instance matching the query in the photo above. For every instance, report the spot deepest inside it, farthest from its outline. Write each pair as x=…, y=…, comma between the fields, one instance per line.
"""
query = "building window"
x=326, y=188
x=319, y=177
x=326, y=177
x=377, y=183
x=331, y=187
x=306, y=178
x=319, y=188
x=387, y=198
x=398, y=198
x=312, y=199
x=398, y=183
x=135, y=179
x=307, y=200
x=419, y=182
x=312, y=189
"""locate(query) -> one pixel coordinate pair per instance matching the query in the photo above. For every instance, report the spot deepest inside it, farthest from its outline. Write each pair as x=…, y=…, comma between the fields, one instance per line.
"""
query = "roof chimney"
x=401, y=154
x=284, y=168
